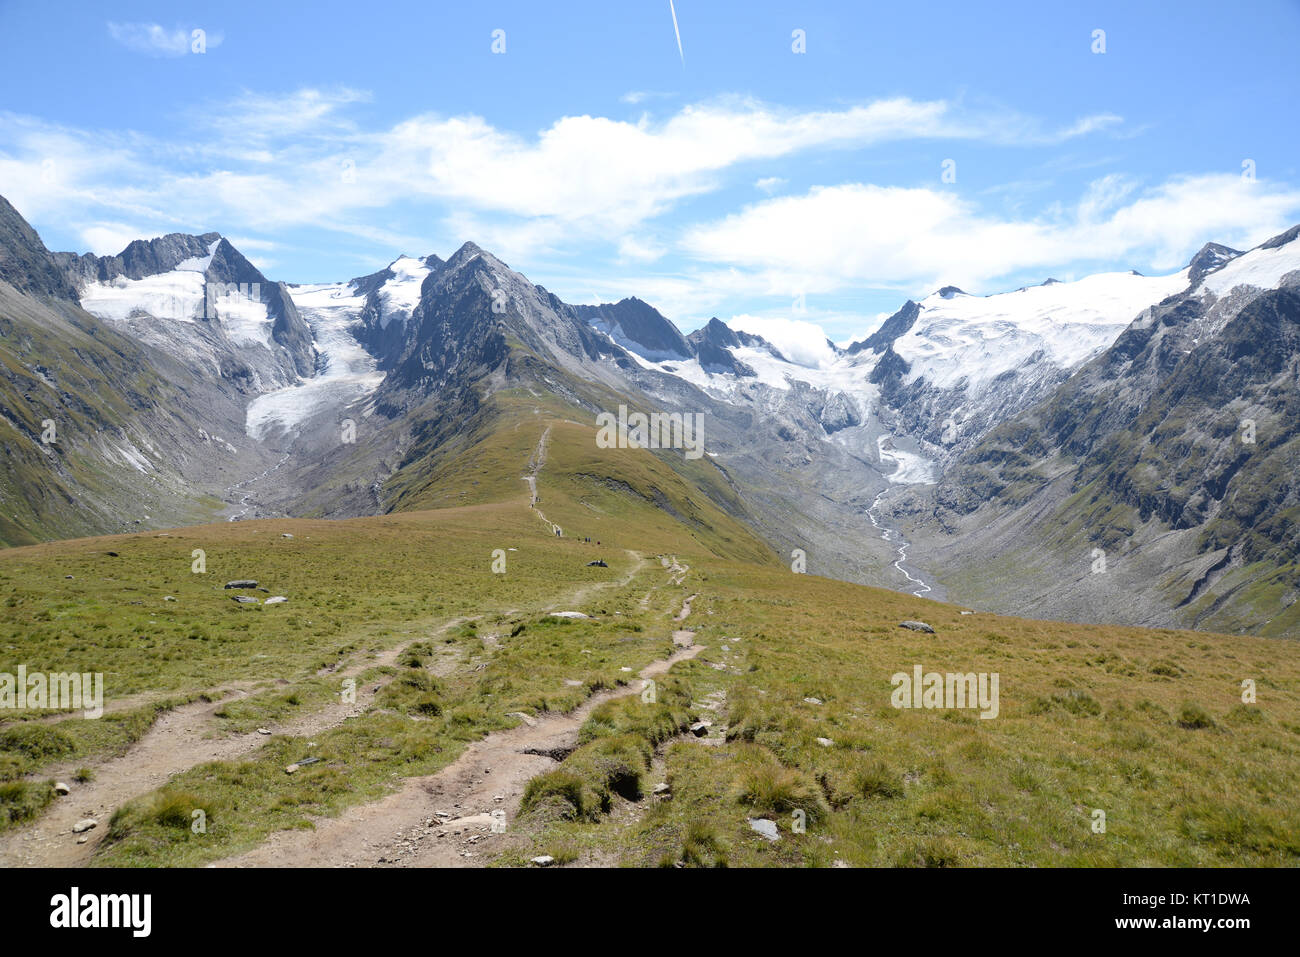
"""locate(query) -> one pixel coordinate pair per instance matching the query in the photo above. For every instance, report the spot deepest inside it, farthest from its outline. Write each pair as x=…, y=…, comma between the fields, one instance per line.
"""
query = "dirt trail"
x=676, y=570
x=535, y=463
x=180, y=739
x=447, y=819
x=407, y=829
x=172, y=745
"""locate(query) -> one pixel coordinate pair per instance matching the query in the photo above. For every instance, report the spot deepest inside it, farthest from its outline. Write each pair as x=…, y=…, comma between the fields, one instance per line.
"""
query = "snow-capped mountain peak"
x=401, y=293
x=1264, y=267
x=958, y=337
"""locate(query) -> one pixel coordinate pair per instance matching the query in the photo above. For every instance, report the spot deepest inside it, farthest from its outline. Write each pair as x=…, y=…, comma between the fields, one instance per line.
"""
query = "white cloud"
x=583, y=179
x=108, y=239
x=639, y=249
x=769, y=184
x=798, y=340
x=857, y=234
x=154, y=40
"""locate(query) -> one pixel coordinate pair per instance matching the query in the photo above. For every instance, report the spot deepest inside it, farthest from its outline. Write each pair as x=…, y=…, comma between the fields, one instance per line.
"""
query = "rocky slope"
x=1157, y=485
x=103, y=433
x=1027, y=427
x=199, y=300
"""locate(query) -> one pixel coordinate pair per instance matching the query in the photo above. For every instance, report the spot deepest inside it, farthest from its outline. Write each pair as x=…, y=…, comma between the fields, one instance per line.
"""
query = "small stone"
x=85, y=824
x=242, y=583
x=701, y=728
x=83, y=839
x=169, y=597
x=60, y=788
x=275, y=600
x=545, y=860
x=765, y=828
x=916, y=626
x=244, y=599
x=263, y=730
x=812, y=700
x=285, y=535
x=662, y=788
x=826, y=742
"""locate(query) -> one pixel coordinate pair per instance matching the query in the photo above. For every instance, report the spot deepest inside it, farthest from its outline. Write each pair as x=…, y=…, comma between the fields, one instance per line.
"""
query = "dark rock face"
x=25, y=263
x=893, y=327
x=1212, y=256
x=288, y=330
x=641, y=325
x=150, y=257
x=712, y=344
x=470, y=306
x=143, y=257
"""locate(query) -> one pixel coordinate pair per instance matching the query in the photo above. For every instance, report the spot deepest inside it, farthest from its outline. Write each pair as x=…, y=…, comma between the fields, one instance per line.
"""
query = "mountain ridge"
x=417, y=362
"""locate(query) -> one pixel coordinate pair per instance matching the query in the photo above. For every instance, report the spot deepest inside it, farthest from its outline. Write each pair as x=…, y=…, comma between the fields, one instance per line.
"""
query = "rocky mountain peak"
x=638, y=327
x=1211, y=257
x=468, y=253
x=1282, y=239
x=893, y=327
x=25, y=263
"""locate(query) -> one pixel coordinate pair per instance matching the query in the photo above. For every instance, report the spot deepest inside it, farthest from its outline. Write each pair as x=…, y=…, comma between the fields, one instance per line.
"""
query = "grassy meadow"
x=1147, y=726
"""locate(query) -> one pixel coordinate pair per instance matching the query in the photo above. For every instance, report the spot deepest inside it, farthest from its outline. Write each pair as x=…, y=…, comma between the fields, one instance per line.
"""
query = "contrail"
x=678, y=32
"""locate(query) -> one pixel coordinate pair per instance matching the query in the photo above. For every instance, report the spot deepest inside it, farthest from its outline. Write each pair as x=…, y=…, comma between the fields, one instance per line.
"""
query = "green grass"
x=1145, y=725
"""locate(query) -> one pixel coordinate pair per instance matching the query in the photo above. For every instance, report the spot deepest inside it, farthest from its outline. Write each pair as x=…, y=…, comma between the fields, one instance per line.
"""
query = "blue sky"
x=739, y=179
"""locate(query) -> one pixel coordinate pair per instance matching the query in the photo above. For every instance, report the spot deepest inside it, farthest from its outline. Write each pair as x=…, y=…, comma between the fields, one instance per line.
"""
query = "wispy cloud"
x=152, y=39
x=636, y=97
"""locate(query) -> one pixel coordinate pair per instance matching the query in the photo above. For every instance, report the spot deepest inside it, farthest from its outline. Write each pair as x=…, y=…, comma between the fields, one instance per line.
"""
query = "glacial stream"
x=901, y=544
